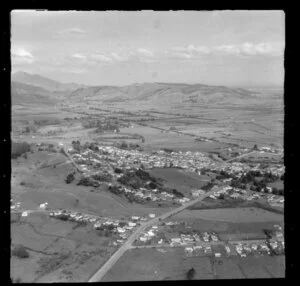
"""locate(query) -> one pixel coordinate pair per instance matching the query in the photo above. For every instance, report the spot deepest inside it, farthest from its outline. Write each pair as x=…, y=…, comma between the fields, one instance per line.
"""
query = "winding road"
x=128, y=244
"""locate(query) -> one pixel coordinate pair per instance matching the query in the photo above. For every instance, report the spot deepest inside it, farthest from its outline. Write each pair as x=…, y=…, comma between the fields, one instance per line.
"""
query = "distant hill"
x=25, y=94
x=43, y=82
x=165, y=92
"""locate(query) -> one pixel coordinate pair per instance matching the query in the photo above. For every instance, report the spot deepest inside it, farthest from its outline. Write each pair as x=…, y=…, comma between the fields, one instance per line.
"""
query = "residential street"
x=128, y=244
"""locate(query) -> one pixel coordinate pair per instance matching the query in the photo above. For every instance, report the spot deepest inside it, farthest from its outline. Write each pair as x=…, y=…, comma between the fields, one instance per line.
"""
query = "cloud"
x=129, y=55
x=21, y=55
x=227, y=49
x=245, y=49
x=273, y=49
x=191, y=49
x=180, y=55
x=100, y=57
x=79, y=56
x=250, y=49
x=145, y=52
x=120, y=56
x=72, y=32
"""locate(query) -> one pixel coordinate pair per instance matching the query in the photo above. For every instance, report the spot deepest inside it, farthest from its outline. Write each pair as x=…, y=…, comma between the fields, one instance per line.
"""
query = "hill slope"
x=43, y=82
x=25, y=94
x=164, y=92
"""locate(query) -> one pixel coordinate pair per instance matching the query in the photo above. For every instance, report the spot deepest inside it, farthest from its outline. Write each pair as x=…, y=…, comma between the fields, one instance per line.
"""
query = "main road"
x=128, y=244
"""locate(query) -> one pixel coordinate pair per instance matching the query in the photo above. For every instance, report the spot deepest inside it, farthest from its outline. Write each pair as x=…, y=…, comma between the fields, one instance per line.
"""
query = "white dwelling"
x=269, y=189
x=120, y=230
x=151, y=233
x=25, y=213
x=152, y=215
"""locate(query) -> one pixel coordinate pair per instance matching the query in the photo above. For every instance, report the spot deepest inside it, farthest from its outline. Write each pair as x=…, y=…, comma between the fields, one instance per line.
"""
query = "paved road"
x=241, y=156
x=128, y=244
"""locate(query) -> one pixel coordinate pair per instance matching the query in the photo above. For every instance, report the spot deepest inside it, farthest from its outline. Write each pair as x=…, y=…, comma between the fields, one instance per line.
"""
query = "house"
x=188, y=249
x=151, y=233
x=25, y=213
x=152, y=215
x=269, y=189
x=235, y=196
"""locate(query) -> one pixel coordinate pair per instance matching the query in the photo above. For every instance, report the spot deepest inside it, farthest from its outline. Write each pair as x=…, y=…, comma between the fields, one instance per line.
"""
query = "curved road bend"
x=128, y=244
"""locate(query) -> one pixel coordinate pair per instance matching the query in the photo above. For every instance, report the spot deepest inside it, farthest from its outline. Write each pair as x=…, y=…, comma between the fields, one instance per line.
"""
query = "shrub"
x=17, y=280
x=190, y=274
x=20, y=252
x=118, y=171
x=222, y=197
x=177, y=193
x=70, y=178
x=17, y=149
x=102, y=177
x=89, y=182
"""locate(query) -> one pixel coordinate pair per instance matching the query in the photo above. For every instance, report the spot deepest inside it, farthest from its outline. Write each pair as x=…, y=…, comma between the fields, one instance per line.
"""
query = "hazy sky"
x=119, y=48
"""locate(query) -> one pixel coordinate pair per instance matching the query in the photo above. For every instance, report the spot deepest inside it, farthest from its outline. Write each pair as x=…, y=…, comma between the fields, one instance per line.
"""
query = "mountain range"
x=35, y=89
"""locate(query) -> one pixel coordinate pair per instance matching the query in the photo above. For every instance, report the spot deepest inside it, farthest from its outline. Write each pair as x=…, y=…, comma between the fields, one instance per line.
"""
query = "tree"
x=70, y=178
x=255, y=147
x=17, y=149
x=222, y=197
x=20, y=252
x=17, y=280
x=190, y=274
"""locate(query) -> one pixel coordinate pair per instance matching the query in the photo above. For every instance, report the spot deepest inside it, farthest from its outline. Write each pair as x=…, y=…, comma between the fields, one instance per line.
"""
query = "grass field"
x=209, y=203
x=180, y=180
x=57, y=248
x=150, y=264
x=239, y=215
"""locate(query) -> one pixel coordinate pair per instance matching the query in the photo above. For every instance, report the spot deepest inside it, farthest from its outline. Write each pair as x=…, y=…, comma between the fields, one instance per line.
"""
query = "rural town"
x=146, y=150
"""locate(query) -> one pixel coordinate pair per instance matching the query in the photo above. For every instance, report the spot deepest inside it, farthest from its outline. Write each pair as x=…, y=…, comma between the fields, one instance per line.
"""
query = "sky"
x=233, y=48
